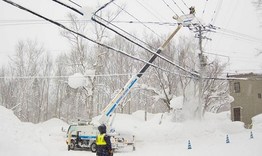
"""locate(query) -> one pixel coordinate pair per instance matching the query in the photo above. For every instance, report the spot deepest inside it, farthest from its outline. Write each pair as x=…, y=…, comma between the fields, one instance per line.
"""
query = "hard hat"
x=102, y=128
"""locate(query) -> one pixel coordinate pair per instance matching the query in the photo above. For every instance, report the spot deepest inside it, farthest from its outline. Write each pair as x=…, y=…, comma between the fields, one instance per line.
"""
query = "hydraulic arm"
x=107, y=112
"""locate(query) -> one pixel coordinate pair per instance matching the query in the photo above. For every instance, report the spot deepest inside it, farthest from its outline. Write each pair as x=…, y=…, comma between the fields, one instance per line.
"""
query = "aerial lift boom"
x=184, y=20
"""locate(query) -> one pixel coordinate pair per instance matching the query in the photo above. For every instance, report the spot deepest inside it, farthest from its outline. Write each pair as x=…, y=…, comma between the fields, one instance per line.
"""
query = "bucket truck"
x=84, y=136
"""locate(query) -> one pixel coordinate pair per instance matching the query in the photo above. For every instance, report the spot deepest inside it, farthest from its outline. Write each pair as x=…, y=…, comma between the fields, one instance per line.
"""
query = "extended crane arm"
x=107, y=112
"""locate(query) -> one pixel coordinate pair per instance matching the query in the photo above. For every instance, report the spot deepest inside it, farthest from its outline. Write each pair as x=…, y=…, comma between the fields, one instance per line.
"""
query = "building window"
x=237, y=87
x=259, y=95
x=237, y=114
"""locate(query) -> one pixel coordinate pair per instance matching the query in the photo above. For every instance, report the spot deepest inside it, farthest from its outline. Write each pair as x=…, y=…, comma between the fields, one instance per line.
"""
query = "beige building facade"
x=246, y=89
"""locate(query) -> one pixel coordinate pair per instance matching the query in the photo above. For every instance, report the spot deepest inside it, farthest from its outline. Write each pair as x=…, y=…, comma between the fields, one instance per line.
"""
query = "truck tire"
x=71, y=146
x=93, y=147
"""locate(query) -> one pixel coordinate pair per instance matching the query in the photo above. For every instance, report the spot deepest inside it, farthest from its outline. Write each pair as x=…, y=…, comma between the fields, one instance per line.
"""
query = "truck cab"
x=82, y=136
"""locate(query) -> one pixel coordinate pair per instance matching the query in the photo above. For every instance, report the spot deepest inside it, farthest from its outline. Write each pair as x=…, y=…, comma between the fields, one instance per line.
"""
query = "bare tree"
x=214, y=89
x=6, y=89
x=186, y=57
x=86, y=60
x=160, y=85
x=27, y=63
x=60, y=86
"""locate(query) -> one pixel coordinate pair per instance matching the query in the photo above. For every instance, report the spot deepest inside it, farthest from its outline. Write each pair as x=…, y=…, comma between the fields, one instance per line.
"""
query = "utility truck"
x=84, y=136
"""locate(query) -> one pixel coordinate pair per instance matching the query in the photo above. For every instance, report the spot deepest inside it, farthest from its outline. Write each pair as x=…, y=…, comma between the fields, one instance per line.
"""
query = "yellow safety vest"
x=100, y=139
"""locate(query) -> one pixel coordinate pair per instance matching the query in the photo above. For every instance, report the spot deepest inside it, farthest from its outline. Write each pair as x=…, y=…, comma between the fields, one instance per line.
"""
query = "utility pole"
x=201, y=68
x=200, y=29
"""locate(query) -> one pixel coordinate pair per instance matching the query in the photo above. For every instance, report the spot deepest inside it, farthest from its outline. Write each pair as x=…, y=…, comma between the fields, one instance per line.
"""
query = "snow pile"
x=159, y=135
x=257, y=122
x=76, y=80
x=25, y=139
x=177, y=103
x=7, y=117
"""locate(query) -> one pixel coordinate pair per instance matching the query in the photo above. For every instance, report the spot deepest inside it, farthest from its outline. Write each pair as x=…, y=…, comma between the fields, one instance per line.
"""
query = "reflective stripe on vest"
x=100, y=139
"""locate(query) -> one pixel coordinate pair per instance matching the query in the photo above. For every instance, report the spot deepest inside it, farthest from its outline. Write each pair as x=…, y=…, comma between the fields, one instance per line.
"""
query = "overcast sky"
x=237, y=18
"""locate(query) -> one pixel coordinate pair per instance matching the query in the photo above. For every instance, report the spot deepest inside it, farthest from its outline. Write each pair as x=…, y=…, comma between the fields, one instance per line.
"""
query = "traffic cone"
x=189, y=145
x=251, y=135
x=227, y=139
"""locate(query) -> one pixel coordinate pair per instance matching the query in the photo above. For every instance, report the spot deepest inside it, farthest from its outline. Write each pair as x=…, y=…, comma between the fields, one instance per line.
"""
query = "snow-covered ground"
x=207, y=137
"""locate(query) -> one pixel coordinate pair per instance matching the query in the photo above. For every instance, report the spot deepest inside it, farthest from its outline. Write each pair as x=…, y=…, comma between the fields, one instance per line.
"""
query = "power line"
x=216, y=11
x=75, y=3
x=113, y=75
x=67, y=6
x=179, y=7
x=91, y=40
x=241, y=35
x=169, y=7
x=61, y=76
x=148, y=10
x=32, y=22
x=110, y=23
x=204, y=8
x=185, y=3
x=160, y=56
x=155, y=10
x=138, y=20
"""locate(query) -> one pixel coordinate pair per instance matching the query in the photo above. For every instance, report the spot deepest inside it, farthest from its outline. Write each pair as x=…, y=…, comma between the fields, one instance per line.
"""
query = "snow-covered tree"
x=30, y=93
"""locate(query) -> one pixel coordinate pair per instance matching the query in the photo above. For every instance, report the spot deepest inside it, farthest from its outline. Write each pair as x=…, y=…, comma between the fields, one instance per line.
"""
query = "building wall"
x=247, y=99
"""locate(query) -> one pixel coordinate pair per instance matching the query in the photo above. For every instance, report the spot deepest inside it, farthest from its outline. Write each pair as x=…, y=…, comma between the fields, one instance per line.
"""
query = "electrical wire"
x=110, y=23
x=257, y=41
x=155, y=10
x=115, y=75
x=75, y=3
x=240, y=34
x=61, y=76
x=185, y=4
x=67, y=6
x=160, y=56
x=204, y=10
x=91, y=40
x=148, y=10
x=193, y=14
x=127, y=33
x=32, y=22
x=216, y=11
x=138, y=20
x=169, y=7
x=174, y=11
x=179, y=7
x=62, y=26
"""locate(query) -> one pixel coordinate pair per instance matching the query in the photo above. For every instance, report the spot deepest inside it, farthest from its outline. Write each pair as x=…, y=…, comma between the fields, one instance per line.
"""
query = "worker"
x=103, y=143
x=192, y=10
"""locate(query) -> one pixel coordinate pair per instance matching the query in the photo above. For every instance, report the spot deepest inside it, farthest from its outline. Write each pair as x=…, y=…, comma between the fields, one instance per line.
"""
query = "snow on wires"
x=89, y=39
x=96, y=18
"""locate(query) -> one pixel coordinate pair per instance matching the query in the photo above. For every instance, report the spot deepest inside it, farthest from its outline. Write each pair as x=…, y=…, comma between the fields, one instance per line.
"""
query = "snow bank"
x=152, y=137
x=257, y=122
x=28, y=139
x=7, y=117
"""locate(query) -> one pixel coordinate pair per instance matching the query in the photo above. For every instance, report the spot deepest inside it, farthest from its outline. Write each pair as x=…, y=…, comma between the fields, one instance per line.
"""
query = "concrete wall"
x=247, y=99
